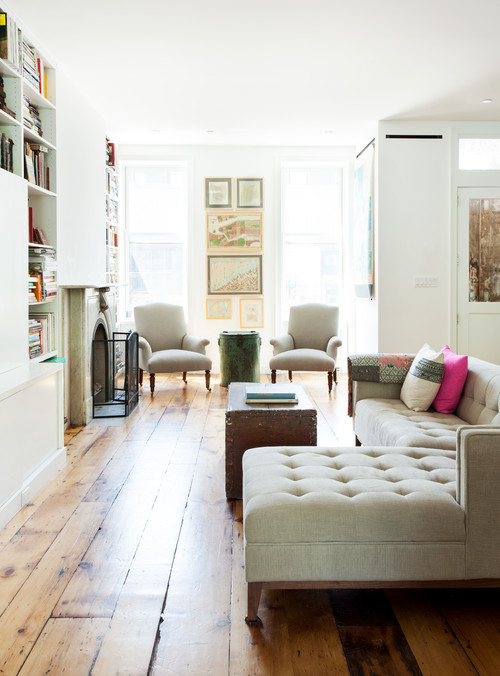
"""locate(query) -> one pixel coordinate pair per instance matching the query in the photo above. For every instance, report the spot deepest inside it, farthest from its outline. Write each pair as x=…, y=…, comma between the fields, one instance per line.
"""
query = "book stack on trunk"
x=270, y=394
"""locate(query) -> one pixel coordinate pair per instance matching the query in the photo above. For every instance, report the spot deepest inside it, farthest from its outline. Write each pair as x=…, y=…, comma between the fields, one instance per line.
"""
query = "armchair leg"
x=207, y=380
x=184, y=376
x=290, y=376
x=152, y=382
x=141, y=376
x=273, y=376
x=335, y=376
x=330, y=381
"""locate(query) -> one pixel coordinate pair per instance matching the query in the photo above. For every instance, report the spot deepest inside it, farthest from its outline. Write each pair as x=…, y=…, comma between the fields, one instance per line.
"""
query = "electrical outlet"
x=426, y=281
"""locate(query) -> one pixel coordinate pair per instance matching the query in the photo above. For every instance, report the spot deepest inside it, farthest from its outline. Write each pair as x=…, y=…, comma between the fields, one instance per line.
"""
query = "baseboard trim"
x=32, y=484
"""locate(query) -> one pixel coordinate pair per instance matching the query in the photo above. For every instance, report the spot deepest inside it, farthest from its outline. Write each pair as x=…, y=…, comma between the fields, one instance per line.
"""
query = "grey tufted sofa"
x=381, y=515
x=380, y=418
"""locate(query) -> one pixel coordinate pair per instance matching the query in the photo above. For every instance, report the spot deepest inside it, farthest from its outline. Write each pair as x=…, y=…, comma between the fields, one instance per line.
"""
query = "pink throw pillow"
x=455, y=374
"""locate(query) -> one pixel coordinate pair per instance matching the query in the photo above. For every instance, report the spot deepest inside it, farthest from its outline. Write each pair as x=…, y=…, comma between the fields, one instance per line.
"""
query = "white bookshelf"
x=31, y=390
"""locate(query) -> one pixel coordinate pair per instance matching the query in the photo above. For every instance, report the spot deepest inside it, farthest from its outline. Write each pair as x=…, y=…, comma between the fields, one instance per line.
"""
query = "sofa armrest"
x=382, y=368
x=194, y=343
x=145, y=353
x=282, y=343
x=478, y=481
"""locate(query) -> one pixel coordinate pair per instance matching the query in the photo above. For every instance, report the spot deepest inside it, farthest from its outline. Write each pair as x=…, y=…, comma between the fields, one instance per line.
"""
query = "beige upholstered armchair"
x=311, y=343
x=165, y=346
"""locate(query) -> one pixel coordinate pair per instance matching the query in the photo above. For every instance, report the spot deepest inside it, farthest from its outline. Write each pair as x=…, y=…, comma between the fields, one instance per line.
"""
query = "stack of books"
x=270, y=394
x=31, y=117
x=42, y=325
x=10, y=40
x=30, y=65
x=3, y=100
x=6, y=152
x=35, y=338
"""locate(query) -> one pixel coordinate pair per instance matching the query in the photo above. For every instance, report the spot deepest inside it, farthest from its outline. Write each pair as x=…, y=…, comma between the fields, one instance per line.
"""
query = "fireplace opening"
x=115, y=373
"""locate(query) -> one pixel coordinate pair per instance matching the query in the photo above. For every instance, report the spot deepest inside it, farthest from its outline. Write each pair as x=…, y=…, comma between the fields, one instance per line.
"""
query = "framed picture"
x=234, y=275
x=250, y=193
x=218, y=193
x=236, y=231
x=251, y=313
x=218, y=308
x=110, y=153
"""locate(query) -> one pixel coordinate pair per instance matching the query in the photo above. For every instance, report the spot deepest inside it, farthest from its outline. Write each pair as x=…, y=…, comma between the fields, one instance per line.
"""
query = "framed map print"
x=234, y=275
x=218, y=308
x=251, y=313
x=218, y=193
x=250, y=193
x=237, y=231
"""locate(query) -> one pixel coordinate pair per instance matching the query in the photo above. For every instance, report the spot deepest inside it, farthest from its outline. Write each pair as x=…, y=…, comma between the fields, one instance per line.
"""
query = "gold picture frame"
x=251, y=313
x=234, y=231
x=218, y=308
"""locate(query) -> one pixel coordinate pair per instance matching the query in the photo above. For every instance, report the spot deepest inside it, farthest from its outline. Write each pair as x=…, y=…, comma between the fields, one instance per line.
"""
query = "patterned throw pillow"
x=423, y=380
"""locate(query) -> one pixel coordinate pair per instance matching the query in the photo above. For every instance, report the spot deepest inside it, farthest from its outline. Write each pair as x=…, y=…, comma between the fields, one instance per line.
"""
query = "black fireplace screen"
x=115, y=375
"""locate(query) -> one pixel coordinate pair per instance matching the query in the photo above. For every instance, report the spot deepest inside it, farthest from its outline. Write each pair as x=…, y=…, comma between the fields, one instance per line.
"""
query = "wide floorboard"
x=130, y=562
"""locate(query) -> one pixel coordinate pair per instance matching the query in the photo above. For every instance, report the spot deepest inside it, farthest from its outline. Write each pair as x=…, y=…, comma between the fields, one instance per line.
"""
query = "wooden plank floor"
x=130, y=562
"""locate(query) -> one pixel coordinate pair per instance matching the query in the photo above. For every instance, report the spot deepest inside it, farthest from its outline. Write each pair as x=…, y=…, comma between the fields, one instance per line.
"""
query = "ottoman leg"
x=254, y=591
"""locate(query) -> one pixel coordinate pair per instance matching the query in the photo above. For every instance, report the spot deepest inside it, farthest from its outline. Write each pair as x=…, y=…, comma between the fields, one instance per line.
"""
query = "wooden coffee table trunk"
x=250, y=425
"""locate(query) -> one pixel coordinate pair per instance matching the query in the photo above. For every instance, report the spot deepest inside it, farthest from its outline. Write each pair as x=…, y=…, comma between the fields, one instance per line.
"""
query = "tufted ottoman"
x=350, y=517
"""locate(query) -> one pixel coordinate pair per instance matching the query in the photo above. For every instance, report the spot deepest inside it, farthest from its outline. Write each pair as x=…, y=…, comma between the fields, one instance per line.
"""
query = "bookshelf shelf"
x=7, y=120
x=32, y=136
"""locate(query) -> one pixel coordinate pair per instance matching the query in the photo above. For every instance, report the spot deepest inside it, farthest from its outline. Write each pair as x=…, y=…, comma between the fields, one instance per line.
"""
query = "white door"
x=478, y=276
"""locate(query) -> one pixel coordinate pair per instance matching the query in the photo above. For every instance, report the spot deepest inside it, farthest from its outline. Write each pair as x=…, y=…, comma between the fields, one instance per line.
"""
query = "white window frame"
x=307, y=162
x=123, y=234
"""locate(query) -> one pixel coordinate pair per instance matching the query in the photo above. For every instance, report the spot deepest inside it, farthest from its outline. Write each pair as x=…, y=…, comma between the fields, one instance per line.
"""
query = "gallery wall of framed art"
x=234, y=242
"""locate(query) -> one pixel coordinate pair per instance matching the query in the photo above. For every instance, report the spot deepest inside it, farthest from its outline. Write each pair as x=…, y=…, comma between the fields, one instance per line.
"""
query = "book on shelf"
x=39, y=236
x=6, y=152
x=3, y=100
x=36, y=169
x=42, y=333
x=10, y=39
x=265, y=391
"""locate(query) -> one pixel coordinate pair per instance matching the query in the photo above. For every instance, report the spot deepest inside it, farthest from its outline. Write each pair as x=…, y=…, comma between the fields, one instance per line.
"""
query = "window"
x=311, y=227
x=479, y=154
x=156, y=222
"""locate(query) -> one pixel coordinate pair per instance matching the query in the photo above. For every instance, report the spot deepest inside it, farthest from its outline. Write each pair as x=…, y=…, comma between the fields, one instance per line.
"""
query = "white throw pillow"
x=423, y=379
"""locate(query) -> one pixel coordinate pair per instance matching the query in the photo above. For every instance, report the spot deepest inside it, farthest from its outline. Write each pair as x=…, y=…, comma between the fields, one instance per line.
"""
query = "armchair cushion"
x=302, y=360
x=174, y=361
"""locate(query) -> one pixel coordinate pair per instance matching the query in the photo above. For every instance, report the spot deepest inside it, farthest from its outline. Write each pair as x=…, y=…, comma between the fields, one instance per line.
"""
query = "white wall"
x=242, y=161
x=413, y=204
x=81, y=186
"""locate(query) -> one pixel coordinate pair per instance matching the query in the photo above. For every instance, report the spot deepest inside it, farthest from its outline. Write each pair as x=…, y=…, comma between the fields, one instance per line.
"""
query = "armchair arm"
x=478, y=478
x=145, y=353
x=194, y=343
x=333, y=345
x=282, y=343
x=375, y=368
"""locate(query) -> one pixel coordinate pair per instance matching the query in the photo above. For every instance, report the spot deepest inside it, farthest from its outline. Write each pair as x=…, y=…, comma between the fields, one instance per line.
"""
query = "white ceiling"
x=272, y=71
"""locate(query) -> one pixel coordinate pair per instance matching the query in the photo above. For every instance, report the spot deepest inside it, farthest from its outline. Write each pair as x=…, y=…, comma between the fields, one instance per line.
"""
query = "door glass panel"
x=484, y=250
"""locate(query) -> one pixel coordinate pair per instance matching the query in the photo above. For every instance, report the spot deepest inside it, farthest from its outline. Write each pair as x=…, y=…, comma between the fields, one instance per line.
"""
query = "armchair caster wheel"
x=254, y=623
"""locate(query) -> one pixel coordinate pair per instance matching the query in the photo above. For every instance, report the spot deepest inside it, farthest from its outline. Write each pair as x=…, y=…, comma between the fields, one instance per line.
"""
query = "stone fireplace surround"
x=88, y=309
